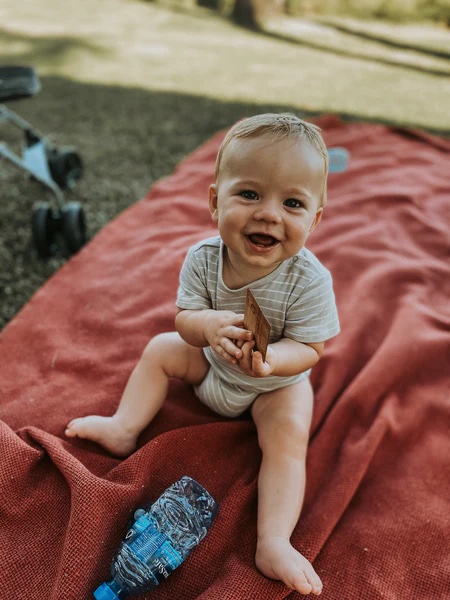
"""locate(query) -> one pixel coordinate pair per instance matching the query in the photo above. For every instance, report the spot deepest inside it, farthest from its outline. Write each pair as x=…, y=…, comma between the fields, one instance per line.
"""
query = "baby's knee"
x=159, y=346
x=288, y=433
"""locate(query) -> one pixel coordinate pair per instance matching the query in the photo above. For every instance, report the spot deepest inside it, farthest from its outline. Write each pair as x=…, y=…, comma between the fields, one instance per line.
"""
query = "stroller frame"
x=54, y=168
x=34, y=158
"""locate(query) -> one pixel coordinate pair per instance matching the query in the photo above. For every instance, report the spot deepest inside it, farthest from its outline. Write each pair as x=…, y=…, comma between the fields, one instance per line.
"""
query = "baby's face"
x=266, y=201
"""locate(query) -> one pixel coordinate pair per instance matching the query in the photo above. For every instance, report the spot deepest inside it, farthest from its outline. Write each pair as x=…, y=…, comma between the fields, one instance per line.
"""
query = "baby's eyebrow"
x=299, y=195
x=246, y=182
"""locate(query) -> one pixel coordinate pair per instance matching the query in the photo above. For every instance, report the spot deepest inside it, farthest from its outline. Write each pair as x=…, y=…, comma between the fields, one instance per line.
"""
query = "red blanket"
x=375, y=518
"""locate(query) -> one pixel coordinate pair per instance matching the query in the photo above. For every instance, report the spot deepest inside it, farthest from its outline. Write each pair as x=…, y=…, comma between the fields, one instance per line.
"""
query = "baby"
x=269, y=195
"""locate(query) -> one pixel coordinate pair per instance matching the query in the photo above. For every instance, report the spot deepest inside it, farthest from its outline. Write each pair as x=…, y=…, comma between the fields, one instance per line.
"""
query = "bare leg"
x=167, y=355
x=283, y=419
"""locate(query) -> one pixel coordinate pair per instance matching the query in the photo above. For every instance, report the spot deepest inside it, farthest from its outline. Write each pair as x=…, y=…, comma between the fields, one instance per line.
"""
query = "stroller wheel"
x=65, y=166
x=73, y=226
x=43, y=226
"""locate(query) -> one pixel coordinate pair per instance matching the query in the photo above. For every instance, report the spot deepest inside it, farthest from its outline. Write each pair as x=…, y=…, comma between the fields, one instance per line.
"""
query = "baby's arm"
x=216, y=328
x=283, y=358
x=295, y=357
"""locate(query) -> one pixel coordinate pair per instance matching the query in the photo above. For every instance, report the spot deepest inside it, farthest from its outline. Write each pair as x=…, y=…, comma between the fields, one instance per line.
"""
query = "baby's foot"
x=277, y=559
x=106, y=431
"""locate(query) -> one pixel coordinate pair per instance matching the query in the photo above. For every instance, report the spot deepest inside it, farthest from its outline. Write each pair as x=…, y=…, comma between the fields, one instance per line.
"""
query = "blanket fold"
x=375, y=520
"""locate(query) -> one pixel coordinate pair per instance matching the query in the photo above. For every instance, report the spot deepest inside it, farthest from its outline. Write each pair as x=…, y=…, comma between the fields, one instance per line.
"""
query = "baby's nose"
x=267, y=213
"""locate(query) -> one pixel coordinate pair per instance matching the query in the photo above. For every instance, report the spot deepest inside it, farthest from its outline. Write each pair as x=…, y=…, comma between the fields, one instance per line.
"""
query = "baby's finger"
x=238, y=320
x=246, y=359
x=231, y=358
x=237, y=333
x=258, y=366
x=228, y=346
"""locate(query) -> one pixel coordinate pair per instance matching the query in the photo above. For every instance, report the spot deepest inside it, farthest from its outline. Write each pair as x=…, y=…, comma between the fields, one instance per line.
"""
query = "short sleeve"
x=313, y=316
x=192, y=290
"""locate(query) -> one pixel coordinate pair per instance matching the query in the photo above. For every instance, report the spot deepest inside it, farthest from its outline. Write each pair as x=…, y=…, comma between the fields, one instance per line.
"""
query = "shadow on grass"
x=128, y=139
x=48, y=50
x=339, y=51
x=382, y=39
x=54, y=51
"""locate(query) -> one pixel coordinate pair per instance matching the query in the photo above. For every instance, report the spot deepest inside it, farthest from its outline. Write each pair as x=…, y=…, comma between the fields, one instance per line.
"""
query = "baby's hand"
x=252, y=363
x=223, y=330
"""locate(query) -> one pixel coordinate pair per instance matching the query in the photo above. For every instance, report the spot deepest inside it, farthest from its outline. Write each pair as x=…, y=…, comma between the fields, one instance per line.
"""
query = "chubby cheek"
x=229, y=232
x=297, y=238
x=299, y=228
x=230, y=222
x=223, y=226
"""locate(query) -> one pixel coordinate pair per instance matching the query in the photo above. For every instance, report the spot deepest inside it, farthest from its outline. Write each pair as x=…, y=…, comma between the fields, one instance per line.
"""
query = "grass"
x=137, y=87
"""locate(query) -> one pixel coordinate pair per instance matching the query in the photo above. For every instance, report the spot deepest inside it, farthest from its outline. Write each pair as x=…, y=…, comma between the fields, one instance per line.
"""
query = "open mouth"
x=262, y=240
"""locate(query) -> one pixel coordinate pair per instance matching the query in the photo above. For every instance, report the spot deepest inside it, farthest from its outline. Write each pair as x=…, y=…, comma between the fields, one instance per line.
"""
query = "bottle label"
x=154, y=549
x=165, y=560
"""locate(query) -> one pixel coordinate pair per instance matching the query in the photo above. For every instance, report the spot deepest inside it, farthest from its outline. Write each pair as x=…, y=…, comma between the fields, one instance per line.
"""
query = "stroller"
x=56, y=169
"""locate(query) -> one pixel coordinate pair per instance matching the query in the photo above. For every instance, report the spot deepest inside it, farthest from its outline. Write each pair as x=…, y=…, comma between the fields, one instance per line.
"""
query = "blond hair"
x=278, y=126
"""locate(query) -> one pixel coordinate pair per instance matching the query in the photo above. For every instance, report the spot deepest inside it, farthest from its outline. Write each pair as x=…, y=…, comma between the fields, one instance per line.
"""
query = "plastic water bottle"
x=338, y=159
x=159, y=540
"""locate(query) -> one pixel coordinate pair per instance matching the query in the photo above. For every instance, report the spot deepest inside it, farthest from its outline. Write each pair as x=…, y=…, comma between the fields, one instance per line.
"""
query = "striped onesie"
x=296, y=298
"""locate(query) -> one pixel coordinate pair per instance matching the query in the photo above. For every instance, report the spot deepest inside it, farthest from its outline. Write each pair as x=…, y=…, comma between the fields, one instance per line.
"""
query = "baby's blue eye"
x=249, y=195
x=293, y=203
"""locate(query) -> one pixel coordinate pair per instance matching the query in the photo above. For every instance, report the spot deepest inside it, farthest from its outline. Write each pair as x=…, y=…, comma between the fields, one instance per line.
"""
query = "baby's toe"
x=302, y=586
x=70, y=429
x=73, y=428
x=314, y=580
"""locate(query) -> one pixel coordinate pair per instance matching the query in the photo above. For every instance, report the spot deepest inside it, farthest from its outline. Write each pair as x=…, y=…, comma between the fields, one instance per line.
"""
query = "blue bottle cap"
x=338, y=159
x=104, y=592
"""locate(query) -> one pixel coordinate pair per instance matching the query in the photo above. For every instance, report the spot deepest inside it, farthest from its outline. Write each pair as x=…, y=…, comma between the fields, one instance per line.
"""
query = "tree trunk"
x=212, y=4
x=244, y=14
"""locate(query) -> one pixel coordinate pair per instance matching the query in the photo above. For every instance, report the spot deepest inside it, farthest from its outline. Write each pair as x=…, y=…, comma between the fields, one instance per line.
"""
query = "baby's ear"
x=213, y=202
x=317, y=220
